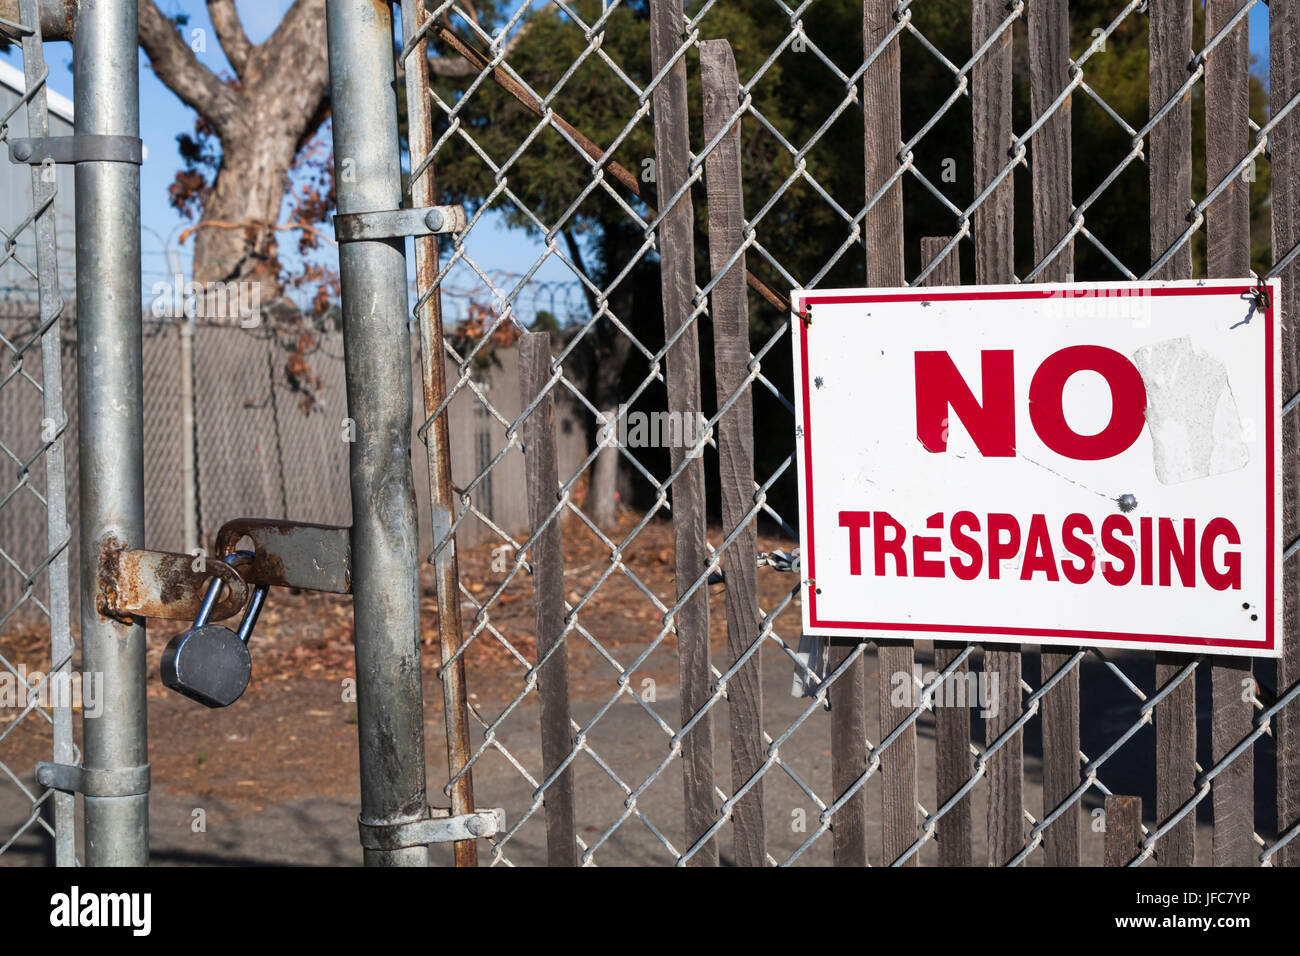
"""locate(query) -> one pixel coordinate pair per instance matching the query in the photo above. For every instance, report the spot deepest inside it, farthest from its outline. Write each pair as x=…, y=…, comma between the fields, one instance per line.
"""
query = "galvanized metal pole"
x=106, y=97
x=377, y=350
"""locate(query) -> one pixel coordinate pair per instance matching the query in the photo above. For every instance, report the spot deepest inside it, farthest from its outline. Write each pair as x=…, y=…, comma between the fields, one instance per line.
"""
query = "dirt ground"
x=273, y=779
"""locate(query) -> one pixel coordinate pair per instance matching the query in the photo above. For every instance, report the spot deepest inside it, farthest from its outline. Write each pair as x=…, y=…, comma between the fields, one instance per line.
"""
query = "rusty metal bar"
x=137, y=583
x=442, y=502
x=292, y=554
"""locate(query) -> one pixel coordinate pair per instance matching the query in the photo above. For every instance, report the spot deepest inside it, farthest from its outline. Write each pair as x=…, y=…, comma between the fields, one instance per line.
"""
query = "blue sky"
x=163, y=116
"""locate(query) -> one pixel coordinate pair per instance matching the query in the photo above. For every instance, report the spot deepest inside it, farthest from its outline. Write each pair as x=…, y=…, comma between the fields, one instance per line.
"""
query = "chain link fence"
x=36, y=718
x=1031, y=141
x=620, y=680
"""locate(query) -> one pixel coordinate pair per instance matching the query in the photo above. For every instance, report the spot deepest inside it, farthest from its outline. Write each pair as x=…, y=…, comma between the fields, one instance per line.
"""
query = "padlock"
x=210, y=663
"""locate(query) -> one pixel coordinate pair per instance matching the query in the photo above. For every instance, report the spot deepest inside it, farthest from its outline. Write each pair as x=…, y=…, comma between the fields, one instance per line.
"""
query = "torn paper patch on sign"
x=1196, y=430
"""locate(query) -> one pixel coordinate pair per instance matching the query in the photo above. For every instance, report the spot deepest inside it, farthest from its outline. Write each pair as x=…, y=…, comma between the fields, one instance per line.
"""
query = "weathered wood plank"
x=1227, y=227
x=1170, y=156
x=547, y=558
x=1060, y=728
x=676, y=245
x=1049, y=66
x=1284, y=83
x=991, y=112
x=995, y=263
x=1123, y=829
x=883, y=230
x=1049, y=74
x=953, y=765
x=848, y=757
x=1170, y=149
x=735, y=443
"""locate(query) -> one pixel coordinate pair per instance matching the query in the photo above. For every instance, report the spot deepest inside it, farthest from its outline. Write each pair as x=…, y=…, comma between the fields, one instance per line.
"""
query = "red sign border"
x=802, y=301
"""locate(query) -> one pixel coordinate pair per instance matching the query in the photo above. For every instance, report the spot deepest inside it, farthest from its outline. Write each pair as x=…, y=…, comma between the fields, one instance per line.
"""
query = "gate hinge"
x=396, y=223
x=120, y=782
x=78, y=148
x=438, y=827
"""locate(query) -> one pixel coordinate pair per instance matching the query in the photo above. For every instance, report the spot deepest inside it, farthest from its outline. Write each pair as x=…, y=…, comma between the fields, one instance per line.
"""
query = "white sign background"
x=856, y=438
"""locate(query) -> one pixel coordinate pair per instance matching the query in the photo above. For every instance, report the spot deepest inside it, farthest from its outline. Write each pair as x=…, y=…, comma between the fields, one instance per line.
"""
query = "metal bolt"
x=476, y=825
x=433, y=220
x=22, y=152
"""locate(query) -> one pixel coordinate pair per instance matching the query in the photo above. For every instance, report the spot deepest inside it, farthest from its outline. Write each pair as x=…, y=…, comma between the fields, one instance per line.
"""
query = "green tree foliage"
x=807, y=230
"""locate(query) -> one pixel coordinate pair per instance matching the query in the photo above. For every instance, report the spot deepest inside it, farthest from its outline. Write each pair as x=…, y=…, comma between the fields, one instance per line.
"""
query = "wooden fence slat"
x=952, y=761
x=1060, y=729
x=1227, y=227
x=1170, y=152
x=676, y=245
x=547, y=559
x=1123, y=829
x=995, y=263
x=882, y=227
x=1170, y=146
x=1284, y=83
x=848, y=756
x=1049, y=73
x=735, y=443
x=883, y=230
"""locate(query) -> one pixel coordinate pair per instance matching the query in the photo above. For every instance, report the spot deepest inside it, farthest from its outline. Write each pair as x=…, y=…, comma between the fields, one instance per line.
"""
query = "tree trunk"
x=236, y=241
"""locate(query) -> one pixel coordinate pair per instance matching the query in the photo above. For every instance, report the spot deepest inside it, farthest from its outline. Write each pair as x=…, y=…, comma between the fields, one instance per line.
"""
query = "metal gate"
x=625, y=677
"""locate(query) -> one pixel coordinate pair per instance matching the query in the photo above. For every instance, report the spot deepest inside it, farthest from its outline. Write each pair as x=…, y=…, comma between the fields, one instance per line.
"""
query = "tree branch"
x=176, y=65
x=450, y=68
x=230, y=33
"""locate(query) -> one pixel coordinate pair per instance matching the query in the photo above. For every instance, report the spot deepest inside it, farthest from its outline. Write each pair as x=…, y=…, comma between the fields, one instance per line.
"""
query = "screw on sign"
x=1063, y=464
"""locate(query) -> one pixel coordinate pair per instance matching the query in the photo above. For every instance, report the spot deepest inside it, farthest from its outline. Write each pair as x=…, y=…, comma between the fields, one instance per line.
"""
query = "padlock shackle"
x=251, y=615
x=214, y=591
x=209, y=602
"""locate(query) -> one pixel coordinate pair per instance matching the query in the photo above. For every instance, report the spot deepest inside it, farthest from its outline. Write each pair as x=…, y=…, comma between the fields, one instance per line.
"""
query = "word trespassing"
x=1156, y=552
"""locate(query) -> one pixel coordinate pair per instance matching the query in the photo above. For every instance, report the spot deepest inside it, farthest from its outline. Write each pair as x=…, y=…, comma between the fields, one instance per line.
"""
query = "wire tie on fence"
x=1262, y=299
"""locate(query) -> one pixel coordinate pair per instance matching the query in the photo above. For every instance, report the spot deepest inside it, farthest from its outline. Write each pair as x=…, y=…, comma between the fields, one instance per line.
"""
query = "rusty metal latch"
x=138, y=583
x=398, y=223
x=438, y=827
x=292, y=554
x=288, y=554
